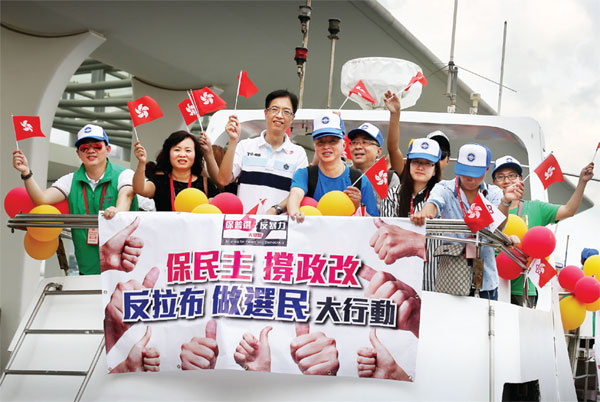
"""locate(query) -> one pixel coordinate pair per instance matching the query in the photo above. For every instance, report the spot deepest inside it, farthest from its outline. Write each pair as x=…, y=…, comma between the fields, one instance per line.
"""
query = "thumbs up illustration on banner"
x=254, y=354
x=201, y=352
x=314, y=353
x=378, y=362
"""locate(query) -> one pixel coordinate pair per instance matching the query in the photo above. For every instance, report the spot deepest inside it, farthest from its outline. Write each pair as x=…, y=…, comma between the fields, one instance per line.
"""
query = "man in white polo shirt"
x=265, y=164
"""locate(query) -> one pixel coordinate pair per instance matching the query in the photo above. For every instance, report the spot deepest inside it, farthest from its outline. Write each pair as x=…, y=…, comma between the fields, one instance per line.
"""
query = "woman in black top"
x=179, y=165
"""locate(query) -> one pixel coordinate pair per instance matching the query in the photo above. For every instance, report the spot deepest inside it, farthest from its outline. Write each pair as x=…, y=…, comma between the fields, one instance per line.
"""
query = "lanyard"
x=173, y=190
x=412, y=199
x=85, y=197
x=460, y=198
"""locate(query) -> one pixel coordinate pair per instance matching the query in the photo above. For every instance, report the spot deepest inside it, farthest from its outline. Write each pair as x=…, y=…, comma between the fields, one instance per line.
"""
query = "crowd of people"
x=270, y=166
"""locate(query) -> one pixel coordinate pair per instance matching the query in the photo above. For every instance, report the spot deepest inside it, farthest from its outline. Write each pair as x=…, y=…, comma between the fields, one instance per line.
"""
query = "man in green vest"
x=97, y=185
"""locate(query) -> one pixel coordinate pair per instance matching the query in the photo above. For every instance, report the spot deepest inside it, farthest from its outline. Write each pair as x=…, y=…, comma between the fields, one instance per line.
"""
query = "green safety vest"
x=88, y=256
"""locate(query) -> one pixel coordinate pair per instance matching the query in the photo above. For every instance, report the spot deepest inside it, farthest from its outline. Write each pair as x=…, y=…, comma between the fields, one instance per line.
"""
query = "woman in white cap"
x=409, y=197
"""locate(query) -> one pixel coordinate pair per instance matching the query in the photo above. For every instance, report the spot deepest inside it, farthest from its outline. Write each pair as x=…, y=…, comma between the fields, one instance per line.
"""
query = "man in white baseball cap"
x=98, y=185
x=444, y=142
x=508, y=171
x=450, y=199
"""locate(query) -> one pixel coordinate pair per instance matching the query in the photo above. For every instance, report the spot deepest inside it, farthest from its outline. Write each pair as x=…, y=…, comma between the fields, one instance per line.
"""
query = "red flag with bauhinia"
x=478, y=216
x=207, y=101
x=27, y=127
x=144, y=110
x=247, y=87
x=540, y=272
x=361, y=90
x=377, y=175
x=419, y=77
x=347, y=148
x=188, y=111
x=549, y=171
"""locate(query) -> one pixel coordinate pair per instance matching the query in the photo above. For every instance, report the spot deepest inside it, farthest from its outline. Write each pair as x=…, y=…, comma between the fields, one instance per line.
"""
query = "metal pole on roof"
x=502, y=70
x=334, y=29
x=452, y=69
x=305, y=12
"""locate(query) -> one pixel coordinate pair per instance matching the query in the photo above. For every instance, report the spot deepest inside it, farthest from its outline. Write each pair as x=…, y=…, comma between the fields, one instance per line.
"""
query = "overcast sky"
x=552, y=61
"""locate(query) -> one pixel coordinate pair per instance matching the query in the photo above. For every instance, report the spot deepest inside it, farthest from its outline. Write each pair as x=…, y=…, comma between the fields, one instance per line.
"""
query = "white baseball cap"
x=369, y=129
x=424, y=148
x=328, y=123
x=507, y=161
x=473, y=160
x=91, y=131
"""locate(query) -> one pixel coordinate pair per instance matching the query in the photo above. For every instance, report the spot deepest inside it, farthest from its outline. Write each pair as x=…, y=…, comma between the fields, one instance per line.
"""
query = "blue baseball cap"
x=507, y=162
x=328, y=123
x=587, y=253
x=473, y=160
x=91, y=131
x=424, y=148
x=368, y=129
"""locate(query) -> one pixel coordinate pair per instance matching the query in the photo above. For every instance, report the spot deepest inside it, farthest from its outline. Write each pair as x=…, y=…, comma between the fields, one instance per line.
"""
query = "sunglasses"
x=97, y=146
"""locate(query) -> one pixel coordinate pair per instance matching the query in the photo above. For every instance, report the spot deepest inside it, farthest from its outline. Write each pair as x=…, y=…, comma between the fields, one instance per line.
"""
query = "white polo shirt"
x=265, y=173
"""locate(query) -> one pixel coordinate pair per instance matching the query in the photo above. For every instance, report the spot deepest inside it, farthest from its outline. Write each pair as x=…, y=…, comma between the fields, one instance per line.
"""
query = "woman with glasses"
x=97, y=185
x=417, y=180
x=179, y=165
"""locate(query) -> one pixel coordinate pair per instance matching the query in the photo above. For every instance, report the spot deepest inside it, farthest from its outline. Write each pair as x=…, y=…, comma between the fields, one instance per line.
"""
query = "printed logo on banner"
x=255, y=232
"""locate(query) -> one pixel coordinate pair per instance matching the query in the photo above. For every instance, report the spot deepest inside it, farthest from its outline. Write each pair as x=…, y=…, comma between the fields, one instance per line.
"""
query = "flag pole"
x=237, y=93
x=595, y=152
x=15, y=130
x=360, y=177
x=136, y=135
x=347, y=98
x=191, y=96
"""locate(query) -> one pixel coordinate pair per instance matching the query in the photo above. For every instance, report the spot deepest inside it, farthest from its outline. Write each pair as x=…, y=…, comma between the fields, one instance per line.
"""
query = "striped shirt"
x=390, y=207
x=264, y=172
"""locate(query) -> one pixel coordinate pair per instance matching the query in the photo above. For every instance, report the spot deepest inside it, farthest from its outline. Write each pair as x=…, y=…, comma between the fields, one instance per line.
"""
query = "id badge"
x=470, y=250
x=92, y=237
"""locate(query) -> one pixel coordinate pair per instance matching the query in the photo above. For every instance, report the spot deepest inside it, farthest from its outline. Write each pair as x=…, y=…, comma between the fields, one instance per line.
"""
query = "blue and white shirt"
x=264, y=172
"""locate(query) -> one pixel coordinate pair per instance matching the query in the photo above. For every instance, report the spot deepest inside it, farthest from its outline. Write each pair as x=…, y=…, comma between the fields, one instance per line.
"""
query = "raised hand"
x=114, y=327
x=354, y=194
x=20, y=162
x=201, y=352
x=233, y=128
x=392, y=102
x=140, y=152
x=314, y=353
x=254, y=354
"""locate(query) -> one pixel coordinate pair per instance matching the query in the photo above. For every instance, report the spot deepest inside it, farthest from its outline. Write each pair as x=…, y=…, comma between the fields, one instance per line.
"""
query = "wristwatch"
x=27, y=176
x=506, y=204
x=278, y=209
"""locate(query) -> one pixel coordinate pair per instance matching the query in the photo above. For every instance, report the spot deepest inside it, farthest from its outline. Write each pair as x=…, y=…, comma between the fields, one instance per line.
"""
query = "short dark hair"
x=282, y=93
x=163, y=161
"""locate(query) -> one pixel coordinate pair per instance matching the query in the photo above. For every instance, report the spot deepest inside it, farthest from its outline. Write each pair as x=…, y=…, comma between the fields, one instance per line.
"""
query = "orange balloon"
x=595, y=306
x=206, y=209
x=336, y=203
x=310, y=210
x=44, y=234
x=189, y=199
x=40, y=250
x=572, y=313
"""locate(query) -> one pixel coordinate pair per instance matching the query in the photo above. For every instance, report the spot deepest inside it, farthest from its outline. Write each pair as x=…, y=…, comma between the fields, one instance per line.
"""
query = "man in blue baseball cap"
x=331, y=173
x=587, y=253
x=450, y=199
x=98, y=185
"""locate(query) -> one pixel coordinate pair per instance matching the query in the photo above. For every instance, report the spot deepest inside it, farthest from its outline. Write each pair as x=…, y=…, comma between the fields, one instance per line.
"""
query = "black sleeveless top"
x=162, y=195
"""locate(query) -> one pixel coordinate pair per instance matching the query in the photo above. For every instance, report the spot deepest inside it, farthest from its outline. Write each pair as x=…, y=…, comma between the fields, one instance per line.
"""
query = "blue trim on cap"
x=512, y=165
x=357, y=131
x=334, y=132
x=429, y=157
x=469, y=171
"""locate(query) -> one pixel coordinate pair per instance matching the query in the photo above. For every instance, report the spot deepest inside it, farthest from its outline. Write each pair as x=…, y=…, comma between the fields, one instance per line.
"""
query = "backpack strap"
x=354, y=176
x=313, y=178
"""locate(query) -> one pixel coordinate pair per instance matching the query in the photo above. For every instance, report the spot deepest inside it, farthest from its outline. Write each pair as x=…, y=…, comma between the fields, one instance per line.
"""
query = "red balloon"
x=17, y=201
x=228, y=203
x=587, y=290
x=507, y=268
x=539, y=242
x=63, y=206
x=309, y=201
x=568, y=277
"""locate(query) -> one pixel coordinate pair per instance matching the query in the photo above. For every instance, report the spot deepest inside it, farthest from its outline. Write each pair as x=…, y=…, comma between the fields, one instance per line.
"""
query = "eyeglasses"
x=275, y=111
x=511, y=177
x=362, y=143
x=96, y=146
x=422, y=163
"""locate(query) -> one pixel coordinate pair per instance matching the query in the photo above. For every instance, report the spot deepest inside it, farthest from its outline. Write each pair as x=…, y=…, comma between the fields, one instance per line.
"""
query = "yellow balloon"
x=310, y=210
x=515, y=225
x=572, y=313
x=44, y=234
x=189, y=199
x=206, y=209
x=591, y=266
x=595, y=306
x=336, y=203
x=40, y=250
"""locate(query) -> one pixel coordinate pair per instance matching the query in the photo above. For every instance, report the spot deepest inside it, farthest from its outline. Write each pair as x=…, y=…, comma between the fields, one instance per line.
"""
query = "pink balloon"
x=587, y=290
x=63, y=206
x=228, y=203
x=568, y=277
x=309, y=201
x=507, y=268
x=539, y=242
x=17, y=201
